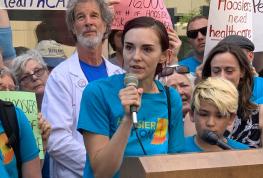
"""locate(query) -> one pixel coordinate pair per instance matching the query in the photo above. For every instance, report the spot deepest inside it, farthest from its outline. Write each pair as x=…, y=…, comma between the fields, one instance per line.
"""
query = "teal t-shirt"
x=257, y=90
x=101, y=112
x=190, y=62
x=3, y=172
x=191, y=146
x=28, y=147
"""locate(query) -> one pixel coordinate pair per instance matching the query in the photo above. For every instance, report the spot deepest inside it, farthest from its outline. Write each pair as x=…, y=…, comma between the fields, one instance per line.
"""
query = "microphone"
x=213, y=139
x=131, y=80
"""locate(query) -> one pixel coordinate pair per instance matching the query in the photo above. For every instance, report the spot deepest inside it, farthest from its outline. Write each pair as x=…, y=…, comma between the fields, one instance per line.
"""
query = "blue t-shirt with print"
x=28, y=147
x=101, y=112
x=190, y=62
x=94, y=72
x=191, y=146
x=257, y=90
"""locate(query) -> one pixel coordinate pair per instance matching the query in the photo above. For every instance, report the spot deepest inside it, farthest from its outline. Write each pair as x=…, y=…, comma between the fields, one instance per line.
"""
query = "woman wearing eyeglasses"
x=31, y=73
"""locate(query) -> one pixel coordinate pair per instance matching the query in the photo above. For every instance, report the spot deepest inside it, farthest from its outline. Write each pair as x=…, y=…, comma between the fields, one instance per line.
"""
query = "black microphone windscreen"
x=131, y=80
x=210, y=137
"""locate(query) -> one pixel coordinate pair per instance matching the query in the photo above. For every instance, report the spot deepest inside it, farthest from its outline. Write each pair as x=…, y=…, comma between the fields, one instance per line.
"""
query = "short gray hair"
x=20, y=62
x=106, y=15
x=4, y=71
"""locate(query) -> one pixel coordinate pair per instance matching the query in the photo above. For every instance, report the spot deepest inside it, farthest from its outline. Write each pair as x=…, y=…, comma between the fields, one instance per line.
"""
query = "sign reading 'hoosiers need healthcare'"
x=235, y=17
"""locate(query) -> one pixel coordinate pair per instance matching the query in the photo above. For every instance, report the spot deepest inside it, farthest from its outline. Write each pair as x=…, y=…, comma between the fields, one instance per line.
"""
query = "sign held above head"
x=130, y=9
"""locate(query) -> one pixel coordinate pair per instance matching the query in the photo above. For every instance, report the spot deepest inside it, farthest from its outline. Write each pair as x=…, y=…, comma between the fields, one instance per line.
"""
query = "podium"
x=224, y=164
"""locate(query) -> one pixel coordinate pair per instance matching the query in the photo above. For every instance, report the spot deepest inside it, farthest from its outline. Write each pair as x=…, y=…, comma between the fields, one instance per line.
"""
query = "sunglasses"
x=194, y=33
x=170, y=70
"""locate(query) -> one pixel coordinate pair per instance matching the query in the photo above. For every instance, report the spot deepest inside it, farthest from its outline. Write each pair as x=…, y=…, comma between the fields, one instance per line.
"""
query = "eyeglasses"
x=194, y=33
x=28, y=78
x=170, y=70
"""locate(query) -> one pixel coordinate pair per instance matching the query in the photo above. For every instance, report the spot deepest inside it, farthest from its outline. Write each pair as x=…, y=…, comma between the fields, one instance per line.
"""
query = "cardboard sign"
x=130, y=9
x=34, y=4
x=234, y=17
x=26, y=101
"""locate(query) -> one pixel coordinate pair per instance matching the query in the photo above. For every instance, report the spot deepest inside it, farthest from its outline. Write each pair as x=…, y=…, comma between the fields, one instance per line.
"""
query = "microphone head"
x=210, y=137
x=131, y=80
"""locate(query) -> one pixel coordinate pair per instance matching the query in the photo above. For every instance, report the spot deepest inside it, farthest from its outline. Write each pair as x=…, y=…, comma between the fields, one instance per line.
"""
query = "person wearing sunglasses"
x=196, y=33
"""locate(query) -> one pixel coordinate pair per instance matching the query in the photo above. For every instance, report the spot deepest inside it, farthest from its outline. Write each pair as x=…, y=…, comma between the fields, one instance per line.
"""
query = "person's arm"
x=4, y=19
x=101, y=149
x=6, y=42
x=174, y=46
x=60, y=111
x=28, y=148
x=45, y=129
x=31, y=169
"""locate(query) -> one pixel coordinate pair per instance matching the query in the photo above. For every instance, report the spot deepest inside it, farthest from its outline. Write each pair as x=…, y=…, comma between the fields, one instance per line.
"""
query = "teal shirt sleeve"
x=28, y=147
x=6, y=43
x=93, y=116
x=176, y=133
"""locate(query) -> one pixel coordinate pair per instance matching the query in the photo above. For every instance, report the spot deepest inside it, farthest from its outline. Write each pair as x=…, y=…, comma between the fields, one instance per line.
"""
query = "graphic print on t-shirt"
x=159, y=136
x=7, y=153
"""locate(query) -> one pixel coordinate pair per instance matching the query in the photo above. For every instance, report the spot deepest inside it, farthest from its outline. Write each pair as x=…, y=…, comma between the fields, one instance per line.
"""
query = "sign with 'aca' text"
x=235, y=17
x=130, y=9
x=26, y=101
x=34, y=4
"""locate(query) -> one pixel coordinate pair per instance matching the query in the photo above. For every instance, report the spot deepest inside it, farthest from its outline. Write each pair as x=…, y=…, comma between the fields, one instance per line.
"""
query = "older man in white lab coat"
x=89, y=21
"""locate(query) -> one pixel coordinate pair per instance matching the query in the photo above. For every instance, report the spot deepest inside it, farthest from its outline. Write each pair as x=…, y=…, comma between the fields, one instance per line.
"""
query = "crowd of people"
x=88, y=105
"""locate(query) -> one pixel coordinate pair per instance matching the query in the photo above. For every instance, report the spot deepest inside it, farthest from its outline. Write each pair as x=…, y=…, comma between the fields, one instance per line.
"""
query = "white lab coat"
x=60, y=106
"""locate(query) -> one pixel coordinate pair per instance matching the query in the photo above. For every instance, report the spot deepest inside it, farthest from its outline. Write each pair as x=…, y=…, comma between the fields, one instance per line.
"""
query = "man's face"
x=89, y=26
x=198, y=41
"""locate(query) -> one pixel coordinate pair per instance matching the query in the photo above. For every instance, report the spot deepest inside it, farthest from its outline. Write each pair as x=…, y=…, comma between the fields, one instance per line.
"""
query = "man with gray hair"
x=89, y=22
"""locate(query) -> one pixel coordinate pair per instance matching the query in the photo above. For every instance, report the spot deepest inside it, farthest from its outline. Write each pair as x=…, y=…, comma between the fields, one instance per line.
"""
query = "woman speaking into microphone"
x=129, y=114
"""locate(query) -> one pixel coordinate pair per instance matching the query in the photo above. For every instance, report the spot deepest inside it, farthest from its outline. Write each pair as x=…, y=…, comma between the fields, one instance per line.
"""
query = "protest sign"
x=27, y=102
x=234, y=17
x=258, y=25
x=130, y=9
x=34, y=4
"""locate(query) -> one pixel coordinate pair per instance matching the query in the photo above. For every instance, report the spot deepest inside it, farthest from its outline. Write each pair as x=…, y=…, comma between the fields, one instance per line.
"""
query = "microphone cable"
x=138, y=138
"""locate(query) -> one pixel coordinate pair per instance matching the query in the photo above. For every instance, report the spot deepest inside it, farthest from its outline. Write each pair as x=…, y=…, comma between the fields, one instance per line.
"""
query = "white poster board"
x=34, y=4
x=228, y=17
